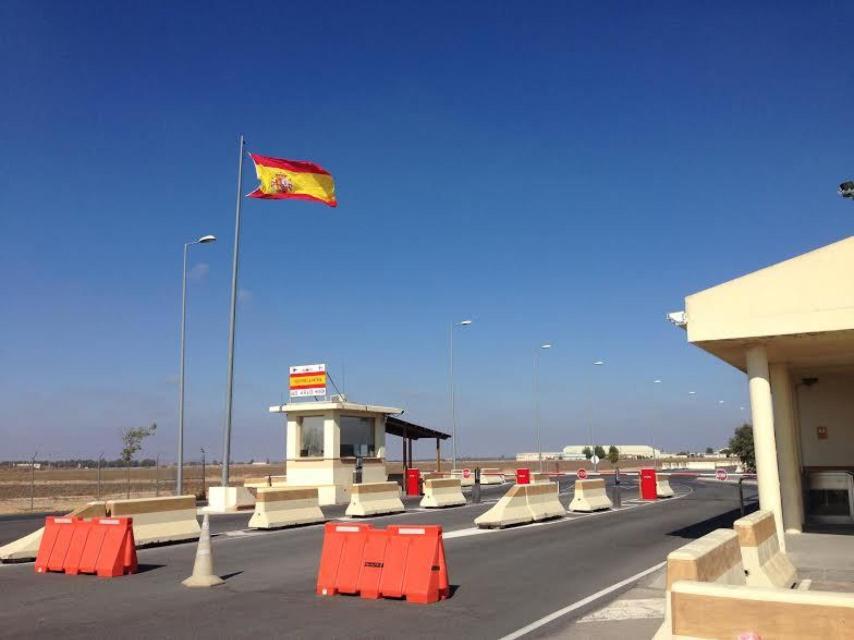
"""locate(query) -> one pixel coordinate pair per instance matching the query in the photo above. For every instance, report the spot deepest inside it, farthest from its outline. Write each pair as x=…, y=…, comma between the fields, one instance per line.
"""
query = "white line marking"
x=464, y=533
x=581, y=603
x=640, y=609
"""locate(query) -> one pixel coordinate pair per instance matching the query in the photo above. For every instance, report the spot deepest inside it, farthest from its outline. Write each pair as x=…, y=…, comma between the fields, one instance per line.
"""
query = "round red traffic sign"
x=466, y=473
x=581, y=474
x=721, y=474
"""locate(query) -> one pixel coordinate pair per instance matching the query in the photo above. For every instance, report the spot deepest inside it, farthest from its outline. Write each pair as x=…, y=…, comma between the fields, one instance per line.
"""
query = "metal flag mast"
x=232, y=321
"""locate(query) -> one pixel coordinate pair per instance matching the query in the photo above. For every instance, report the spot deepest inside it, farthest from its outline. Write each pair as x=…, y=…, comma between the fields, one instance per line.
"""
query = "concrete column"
x=787, y=448
x=379, y=436
x=293, y=438
x=764, y=442
x=331, y=436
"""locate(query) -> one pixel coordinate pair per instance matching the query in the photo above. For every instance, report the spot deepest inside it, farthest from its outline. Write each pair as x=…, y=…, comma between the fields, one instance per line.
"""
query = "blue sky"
x=562, y=172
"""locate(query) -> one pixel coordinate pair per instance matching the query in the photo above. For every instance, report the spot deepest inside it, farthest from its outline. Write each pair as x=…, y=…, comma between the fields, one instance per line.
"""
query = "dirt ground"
x=64, y=489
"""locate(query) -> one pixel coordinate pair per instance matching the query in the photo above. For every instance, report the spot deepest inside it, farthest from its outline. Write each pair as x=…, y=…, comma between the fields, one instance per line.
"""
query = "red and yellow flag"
x=292, y=179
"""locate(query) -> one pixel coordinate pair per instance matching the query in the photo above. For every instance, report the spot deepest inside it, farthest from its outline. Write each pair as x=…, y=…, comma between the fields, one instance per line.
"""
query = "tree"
x=599, y=451
x=132, y=440
x=613, y=455
x=709, y=450
x=741, y=444
x=588, y=452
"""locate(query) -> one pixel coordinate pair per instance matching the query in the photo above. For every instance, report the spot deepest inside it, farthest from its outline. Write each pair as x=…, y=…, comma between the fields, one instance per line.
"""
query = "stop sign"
x=581, y=474
x=466, y=473
x=721, y=474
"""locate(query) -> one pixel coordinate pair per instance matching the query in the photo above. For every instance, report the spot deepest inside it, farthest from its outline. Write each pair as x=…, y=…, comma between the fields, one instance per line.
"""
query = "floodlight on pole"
x=179, y=475
x=846, y=189
x=454, y=325
x=543, y=347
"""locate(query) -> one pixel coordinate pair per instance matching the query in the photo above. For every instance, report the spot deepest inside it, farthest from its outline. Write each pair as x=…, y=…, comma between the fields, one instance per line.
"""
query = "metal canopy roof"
x=402, y=428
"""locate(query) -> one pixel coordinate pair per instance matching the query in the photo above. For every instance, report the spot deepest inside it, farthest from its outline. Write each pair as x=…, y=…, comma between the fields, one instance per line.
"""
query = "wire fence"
x=43, y=487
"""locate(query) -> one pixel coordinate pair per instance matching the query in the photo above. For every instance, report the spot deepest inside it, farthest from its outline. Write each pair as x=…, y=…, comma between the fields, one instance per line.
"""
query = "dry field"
x=65, y=489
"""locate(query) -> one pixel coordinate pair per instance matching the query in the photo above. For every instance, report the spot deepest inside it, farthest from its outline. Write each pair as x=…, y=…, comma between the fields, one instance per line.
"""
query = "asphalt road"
x=502, y=580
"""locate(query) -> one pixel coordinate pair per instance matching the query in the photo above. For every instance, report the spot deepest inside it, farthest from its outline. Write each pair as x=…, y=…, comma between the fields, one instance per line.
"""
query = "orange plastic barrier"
x=397, y=562
x=102, y=546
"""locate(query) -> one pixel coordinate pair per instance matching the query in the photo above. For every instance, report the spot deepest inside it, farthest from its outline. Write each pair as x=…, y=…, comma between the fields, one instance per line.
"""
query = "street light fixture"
x=179, y=476
x=846, y=189
x=542, y=347
x=454, y=325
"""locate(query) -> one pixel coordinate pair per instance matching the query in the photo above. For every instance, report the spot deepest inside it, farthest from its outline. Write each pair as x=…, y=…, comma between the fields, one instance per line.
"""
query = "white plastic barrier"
x=282, y=507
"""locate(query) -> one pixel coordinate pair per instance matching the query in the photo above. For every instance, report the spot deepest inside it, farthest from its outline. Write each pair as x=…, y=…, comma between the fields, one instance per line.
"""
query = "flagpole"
x=232, y=322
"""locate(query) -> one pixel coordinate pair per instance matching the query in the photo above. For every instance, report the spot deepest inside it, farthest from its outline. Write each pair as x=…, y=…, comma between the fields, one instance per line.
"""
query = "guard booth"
x=326, y=443
x=790, y=328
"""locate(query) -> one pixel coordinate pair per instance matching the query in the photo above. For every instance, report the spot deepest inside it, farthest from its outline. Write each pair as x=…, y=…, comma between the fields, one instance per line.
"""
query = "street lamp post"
x=846, y=189
x=657, y=414
x=454, y=325
x=596, y=363
x=179, y=478
x=542, y=347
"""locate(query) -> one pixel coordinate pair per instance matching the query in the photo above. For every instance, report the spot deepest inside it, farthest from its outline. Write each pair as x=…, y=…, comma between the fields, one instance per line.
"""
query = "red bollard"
x=648, y=485
x=413, y=482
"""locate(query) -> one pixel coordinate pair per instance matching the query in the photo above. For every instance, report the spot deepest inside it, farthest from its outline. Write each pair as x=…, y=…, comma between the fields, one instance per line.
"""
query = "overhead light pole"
x=542, y=347
x=658, y=412
x=179, y=476
x=454, y=325
x=846, y=189
x=596, y=363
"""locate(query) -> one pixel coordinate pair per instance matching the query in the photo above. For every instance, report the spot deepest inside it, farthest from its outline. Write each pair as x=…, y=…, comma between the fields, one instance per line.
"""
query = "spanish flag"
x=292, y=179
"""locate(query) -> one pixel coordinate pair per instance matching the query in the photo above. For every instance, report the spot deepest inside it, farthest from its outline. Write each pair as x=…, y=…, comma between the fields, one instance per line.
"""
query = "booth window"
x=357, y=437
x=311, y=440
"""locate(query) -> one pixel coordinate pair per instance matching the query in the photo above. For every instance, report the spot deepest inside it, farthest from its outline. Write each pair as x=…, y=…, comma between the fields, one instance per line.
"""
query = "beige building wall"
x=828, y=403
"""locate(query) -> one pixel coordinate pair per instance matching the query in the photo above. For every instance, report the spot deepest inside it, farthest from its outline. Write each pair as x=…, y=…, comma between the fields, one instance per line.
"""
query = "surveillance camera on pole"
x=846, y=189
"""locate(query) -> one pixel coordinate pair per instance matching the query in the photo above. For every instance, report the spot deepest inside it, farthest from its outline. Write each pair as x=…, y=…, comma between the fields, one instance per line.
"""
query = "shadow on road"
x=722, y=521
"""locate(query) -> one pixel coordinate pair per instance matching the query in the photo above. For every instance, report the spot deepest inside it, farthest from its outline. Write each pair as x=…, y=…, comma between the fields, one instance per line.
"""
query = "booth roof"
x=397, y=427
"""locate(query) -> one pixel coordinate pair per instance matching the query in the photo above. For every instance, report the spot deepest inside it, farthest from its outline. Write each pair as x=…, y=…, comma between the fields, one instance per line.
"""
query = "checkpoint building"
x=790, y=328
x=326, y=441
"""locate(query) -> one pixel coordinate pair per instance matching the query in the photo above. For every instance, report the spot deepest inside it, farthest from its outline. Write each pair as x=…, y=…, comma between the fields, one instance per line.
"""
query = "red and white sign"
x=466, y=473
x=307, y=380
x=581, y=474
x=721, y=474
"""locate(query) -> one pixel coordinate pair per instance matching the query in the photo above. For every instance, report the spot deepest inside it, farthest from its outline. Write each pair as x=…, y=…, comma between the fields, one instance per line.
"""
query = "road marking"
x=464, y=533
x=582, y=603
x=640, y=609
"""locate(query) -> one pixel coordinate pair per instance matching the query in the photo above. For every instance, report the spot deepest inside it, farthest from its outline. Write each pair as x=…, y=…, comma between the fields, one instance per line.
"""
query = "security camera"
x=846, y=189
x=678, y=318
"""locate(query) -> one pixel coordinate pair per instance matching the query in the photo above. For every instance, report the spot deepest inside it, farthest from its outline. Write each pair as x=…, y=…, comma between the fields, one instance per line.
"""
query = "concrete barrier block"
x=543, y=501
x=374, y=498
x=229, y=499
x=511, y=509
x=283, y=507
x=157, y=520
x=704, y=610
x=491, y=476
x=765, y=564
x=27, y=547
x=442, y=492
x=257, y=482
x=278, y=481
x=465, y=482
x=590, y=495
x=662, y=486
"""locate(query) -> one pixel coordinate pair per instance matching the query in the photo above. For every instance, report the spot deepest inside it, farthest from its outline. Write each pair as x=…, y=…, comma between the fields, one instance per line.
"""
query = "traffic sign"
x=581, y=474
x=721, y=474
x=594, y=459
x=466, y=473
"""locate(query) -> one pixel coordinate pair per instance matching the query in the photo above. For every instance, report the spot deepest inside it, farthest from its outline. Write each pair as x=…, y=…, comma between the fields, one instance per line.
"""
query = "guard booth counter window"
x=311, y=438
x=357, y=437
